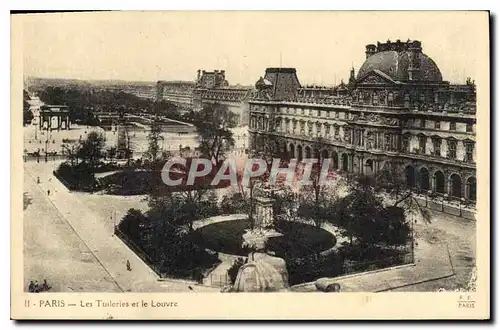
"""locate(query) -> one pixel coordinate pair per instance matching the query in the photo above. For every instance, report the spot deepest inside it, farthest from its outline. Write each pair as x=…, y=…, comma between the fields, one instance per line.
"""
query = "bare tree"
x=214, y=123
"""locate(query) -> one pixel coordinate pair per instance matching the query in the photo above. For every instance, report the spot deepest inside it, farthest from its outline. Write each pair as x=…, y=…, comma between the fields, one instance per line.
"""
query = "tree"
x=27, y=114
x=91, y=149
x=213, y=124
x=133, y=224
x=390, y=181
x=316, y=196
x=72, y=150
x=168, y=109
x=111, y=152
x=363, y=215
x=154, y=151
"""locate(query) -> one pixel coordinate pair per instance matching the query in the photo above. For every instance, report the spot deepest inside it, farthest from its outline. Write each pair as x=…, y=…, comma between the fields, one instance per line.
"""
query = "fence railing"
x=145, y=257
x=137, y=250
x=456, y=208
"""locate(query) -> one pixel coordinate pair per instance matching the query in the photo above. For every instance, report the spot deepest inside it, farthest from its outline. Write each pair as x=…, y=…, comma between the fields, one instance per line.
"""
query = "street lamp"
x=46, y=145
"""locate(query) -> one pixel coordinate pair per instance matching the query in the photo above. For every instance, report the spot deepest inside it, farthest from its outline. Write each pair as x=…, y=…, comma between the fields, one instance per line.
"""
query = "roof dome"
x=395, y=64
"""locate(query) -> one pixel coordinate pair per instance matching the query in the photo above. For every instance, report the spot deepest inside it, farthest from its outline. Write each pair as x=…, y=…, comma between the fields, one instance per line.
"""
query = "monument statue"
x=263, y=272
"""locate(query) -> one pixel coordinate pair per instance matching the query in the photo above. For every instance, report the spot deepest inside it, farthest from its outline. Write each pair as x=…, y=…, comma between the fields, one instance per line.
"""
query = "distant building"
x=208, y=88
x=54, y=117
x=397, y=110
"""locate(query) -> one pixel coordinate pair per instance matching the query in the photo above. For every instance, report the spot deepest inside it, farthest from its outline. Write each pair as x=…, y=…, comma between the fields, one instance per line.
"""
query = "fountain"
x=263, y=272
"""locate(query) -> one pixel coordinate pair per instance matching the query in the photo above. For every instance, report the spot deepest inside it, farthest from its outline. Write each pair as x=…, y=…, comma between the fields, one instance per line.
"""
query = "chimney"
x=415, y=49
x=199, y=74
x=370, y=50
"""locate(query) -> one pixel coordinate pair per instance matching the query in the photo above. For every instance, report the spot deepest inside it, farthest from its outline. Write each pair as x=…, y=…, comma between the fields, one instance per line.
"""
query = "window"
x=359, y=134
x=406, y=143
x=437, y=125
x=347, y=135
x=436, y=146
x=469, y=151
x=422, y=141
x=422, y=123
x=294, y=124
x=452, y=149
x=375, y=99
x=337, y=114
x=327, y=129
x=468, y=127
x=337, y=131
x=310, y=128
x=390, y=99
x=318, y=128
x=302, y=111
x=453, y=126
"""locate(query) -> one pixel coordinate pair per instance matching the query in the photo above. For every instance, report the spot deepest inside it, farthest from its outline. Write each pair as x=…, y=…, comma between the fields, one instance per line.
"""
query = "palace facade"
x=210, y=87
x=398, y=109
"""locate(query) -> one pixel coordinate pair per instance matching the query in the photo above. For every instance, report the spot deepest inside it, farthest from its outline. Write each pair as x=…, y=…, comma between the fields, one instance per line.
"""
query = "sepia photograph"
x=266, y=157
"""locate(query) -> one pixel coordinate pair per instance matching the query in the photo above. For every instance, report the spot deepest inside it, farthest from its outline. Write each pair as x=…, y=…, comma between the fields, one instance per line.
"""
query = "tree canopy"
x=214, y=123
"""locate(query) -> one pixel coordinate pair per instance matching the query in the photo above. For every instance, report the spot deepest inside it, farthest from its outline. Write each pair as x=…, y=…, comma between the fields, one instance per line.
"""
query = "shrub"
x=78, y=177
x=133, y=224
x=233, y=204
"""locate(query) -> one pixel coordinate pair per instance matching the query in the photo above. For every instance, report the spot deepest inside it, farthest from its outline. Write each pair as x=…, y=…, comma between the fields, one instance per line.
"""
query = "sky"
x=322, y=46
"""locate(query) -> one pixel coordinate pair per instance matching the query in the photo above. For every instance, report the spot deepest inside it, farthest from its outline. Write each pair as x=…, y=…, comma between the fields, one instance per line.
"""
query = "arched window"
x=316, y=154
x=345, y=162
x=424, y=179
x=471, y=188
x=410, y=176
x=439, y=184
x=369, y=166
x=299, y=152
x=456, y=185
x=308, y=152
x=335, y=159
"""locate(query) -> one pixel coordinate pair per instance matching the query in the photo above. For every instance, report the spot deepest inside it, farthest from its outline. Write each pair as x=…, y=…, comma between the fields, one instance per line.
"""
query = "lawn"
x=298, y=239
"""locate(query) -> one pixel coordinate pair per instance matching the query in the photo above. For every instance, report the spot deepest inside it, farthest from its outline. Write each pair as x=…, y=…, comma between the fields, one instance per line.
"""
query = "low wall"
x=335, y=231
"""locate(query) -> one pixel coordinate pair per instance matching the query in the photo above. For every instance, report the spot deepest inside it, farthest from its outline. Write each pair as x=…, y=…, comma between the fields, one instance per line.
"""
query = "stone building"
x=208, y=88
x=398, y=109
x=53, y=117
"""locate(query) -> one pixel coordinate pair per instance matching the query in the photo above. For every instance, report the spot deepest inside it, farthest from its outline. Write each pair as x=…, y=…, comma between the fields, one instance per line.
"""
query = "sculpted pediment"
x=376, y=77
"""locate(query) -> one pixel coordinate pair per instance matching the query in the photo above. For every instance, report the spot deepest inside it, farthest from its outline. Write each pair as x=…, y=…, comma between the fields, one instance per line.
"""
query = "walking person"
x=31, y=287
x=45, y=286
x=128, y=266
x=48, y=192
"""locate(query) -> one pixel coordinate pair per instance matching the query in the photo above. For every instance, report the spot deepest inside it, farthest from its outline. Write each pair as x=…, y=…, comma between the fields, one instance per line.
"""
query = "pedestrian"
x=45, y=286
x=128, y=266
x=36, y=287
x=38, y=180
x=48, y=192
x=31, y=287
